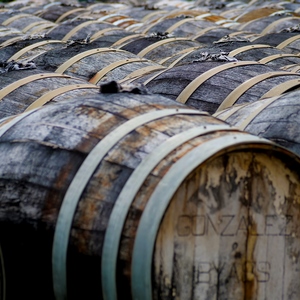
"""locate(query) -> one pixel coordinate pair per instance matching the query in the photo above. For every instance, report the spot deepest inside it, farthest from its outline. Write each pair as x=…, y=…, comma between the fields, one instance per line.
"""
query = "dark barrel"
x=275, y=118
x=137, y=195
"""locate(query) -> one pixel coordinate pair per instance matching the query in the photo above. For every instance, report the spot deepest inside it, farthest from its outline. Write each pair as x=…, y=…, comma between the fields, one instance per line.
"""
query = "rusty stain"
x=127, y=23
x=214, y=18
x=250, y=278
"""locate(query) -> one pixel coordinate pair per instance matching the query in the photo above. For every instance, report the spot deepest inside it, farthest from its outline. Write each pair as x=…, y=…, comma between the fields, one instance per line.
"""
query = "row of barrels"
x=151, y=59
x=126, y=195
x=183, y=24
x=116, y=180
x=271, y=17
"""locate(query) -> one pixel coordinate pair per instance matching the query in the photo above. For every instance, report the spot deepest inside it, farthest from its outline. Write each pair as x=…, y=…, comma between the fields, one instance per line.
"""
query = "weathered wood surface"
x=277, y=120
x=210, y=94
x=187, y=29
x=54, y=12
x=7, y=33
x=140, y=12
x=269, y=24
x=23, y=21
x=90, y=120
x=108, y=8
x=214, y=34
x=10, y=50
x=278, y=39
x=60, y=136
x=21, y=97
x=86, y=27
x=91, y=63
x=160, y=47
x=192, y=28
x=245, y=51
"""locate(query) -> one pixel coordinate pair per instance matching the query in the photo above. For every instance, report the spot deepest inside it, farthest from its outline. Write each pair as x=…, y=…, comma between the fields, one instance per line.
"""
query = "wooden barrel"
x=288, y=41
x=213, y=85
x=59, y=12
x=281, y=60
x=105, y=167
x=7, y=33
x=168, y=24
x=20, y=89
x=33, y=8
x=27, y=23
x=275, y=118
x=252, y=13
x=292, y=68
x=95, y=64
x=143, y=13
x=242, y=50
x=269, y=24
x=158, y=47
x=26, y=48
x=212, y=34
x=107, y=8
x=80, y=31
x=190, y=28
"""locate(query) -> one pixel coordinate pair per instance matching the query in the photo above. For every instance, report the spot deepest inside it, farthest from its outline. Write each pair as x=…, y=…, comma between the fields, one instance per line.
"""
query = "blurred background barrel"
x=276, y=119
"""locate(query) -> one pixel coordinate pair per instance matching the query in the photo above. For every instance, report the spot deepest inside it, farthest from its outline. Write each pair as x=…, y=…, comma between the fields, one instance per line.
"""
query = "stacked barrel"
x=149, y=150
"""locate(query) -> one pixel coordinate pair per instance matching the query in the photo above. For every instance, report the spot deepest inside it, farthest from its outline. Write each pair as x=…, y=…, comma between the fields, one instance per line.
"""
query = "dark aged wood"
x=262, y=25
x=8, y=51
x=189, y=29
x=253, y=52
x=8, y=33
x=140, y=43
x=213, y=35
x=87, y=67
x=109, y=38
x=21, y=22
x=159, y=51
x=276, y=120
x=276, y=39
x=60, y=136
x=52, y=59
x=139, y=12
x=53, y=12
x=20, y=98
x=212, y=92
x=33, y=9
x=60, y=31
